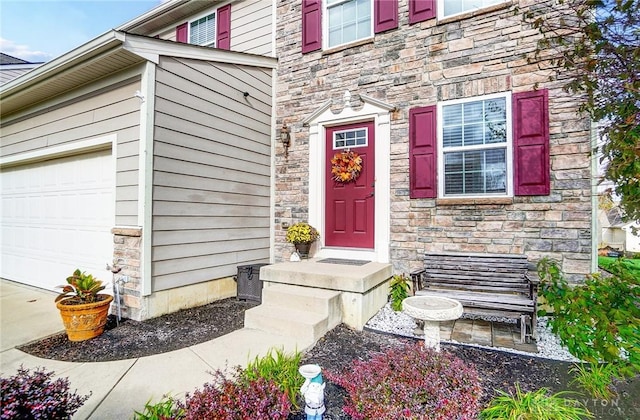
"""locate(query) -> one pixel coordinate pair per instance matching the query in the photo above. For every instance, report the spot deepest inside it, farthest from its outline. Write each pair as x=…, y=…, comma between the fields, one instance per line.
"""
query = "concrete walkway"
x=120, y=387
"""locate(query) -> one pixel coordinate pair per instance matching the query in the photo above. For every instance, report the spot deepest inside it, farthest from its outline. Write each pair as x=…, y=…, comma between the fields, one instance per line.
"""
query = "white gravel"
x=549, y=347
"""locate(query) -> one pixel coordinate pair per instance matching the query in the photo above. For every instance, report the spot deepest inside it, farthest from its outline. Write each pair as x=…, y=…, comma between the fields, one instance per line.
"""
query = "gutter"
x=594, y=197
x=84, y=52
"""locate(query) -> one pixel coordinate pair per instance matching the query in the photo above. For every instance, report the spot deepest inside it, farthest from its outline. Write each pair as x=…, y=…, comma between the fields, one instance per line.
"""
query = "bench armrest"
x=417, y=278
x=533, y=281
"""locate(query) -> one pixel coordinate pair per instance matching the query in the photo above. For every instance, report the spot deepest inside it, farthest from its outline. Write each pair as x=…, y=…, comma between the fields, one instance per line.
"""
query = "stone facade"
x=418, y=65
x=127, y=244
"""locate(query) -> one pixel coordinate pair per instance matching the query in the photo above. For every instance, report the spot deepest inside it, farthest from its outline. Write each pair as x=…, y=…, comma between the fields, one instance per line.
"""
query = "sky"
x=40, y=30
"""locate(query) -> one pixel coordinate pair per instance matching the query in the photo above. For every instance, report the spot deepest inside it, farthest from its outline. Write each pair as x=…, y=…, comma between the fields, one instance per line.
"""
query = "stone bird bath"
x=432, y=310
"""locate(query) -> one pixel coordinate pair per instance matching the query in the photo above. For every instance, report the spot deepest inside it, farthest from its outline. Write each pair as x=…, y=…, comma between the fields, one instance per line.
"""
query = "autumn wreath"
x=346, y=166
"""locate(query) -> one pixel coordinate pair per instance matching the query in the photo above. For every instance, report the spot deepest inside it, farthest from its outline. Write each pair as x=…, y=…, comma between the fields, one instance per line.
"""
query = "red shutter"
x=223, y=28
x=422, y=152
x=311, y=25
x=182, y=33
x=385, y=13
x=420, y=10
x=531, y=143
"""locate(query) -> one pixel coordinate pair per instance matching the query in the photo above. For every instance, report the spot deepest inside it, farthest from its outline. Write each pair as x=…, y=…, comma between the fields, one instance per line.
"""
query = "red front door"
x=349, y=208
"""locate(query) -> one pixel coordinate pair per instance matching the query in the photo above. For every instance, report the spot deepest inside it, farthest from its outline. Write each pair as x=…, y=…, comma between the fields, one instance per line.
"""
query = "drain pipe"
x=116, y=288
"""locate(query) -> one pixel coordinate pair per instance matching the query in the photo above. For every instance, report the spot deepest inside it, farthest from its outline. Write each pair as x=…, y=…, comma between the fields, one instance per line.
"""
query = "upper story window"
x=448, y=8
x=203, y=31
x=333, y=23
x=348, y=21
x=474, y=138
x=210, y=30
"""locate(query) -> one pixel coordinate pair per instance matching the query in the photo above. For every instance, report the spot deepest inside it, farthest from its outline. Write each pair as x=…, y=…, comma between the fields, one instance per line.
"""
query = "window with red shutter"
x=422, y=152
x=480, y=145
x=385, y=15
x=223, y=29
x=421, y=10
x=311, y=25
x=531, y=143
x=182, y=33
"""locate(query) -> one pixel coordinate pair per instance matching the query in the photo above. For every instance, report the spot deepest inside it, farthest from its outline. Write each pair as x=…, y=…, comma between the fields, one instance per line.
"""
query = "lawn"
x=631, y=265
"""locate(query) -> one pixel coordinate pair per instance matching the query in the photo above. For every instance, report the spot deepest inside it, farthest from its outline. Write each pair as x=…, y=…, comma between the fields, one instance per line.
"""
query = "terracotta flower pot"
x=86, y=320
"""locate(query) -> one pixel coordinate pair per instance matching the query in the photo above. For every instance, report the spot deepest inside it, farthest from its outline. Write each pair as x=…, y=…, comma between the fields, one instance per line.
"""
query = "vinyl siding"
x=251, y=27
x=96, y=115
x=211, y=179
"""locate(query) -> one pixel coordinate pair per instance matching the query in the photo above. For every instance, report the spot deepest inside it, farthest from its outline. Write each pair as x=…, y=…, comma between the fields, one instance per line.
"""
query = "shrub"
x=399, y=291
x=166, y=409
x=34, y=395
x=536, y=405
x=598, y=320
x=230, y=399
x=410, y=382
x=596, y=378
x=280, y=368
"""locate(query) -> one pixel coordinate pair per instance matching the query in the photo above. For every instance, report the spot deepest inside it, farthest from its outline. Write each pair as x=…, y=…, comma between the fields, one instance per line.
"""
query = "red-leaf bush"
x=411, y=382
x=34, y=395
x=230, y=398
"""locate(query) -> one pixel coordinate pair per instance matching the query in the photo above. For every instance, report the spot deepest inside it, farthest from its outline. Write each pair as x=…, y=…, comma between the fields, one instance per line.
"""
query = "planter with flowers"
x=83, y=309
x=302, y=235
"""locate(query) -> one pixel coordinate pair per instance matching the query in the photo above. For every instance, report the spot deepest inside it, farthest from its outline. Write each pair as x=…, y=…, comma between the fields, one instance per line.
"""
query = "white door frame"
x=371, y=110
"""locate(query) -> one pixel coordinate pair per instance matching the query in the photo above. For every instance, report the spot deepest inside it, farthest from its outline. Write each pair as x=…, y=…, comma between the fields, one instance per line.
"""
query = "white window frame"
x=508, y=153
x=441, y=3
x=209, y=13
x=366, y=138
x=325, y=25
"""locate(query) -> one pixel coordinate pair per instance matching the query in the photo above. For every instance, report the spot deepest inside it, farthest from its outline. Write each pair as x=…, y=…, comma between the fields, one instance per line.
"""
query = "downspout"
x=594, y=197
x=274, y=139
x=145, y=180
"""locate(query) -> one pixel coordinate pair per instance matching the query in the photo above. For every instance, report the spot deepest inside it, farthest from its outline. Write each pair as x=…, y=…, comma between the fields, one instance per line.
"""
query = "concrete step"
x=280, y=320
x=324, y=302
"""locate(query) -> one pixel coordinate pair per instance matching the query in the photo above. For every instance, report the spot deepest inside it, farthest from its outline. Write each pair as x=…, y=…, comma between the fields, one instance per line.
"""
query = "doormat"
x=343, y=262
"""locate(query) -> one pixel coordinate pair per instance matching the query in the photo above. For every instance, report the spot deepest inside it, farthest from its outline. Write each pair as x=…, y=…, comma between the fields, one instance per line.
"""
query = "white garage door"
x=57, y=216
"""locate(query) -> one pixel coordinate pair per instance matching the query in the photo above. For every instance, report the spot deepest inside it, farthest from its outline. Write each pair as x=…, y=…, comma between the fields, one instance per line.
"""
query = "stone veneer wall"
x=127, y=243
x=418, y=65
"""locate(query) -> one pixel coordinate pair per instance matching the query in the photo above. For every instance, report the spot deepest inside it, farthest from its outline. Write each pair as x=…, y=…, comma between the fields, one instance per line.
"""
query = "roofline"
x=111, y=38
x=153, y=48
x=19, y=66
x=146, y=47
x=151, y=14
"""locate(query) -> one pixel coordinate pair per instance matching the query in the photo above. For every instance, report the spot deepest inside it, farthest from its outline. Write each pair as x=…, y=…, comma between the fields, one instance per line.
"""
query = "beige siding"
x=211, y=180
x=251, y=22
x=251, y=27
x=111, y=111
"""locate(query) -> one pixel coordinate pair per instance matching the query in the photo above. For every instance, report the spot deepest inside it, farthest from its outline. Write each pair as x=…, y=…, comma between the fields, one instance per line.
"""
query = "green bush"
x=536, y=405
x=598, y=321
x=166, y=409
x=596, y=378
x=279, y=367
x=399, y=291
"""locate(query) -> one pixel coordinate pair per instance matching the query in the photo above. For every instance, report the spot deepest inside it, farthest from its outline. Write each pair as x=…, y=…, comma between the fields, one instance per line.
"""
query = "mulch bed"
x=335, y=352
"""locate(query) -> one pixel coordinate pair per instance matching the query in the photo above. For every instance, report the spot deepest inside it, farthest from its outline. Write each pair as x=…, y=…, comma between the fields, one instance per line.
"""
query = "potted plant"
x=83, y=309
x=302, y=235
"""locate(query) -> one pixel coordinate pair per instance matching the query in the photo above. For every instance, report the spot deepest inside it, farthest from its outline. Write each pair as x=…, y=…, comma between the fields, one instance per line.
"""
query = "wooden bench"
x=485, y=284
